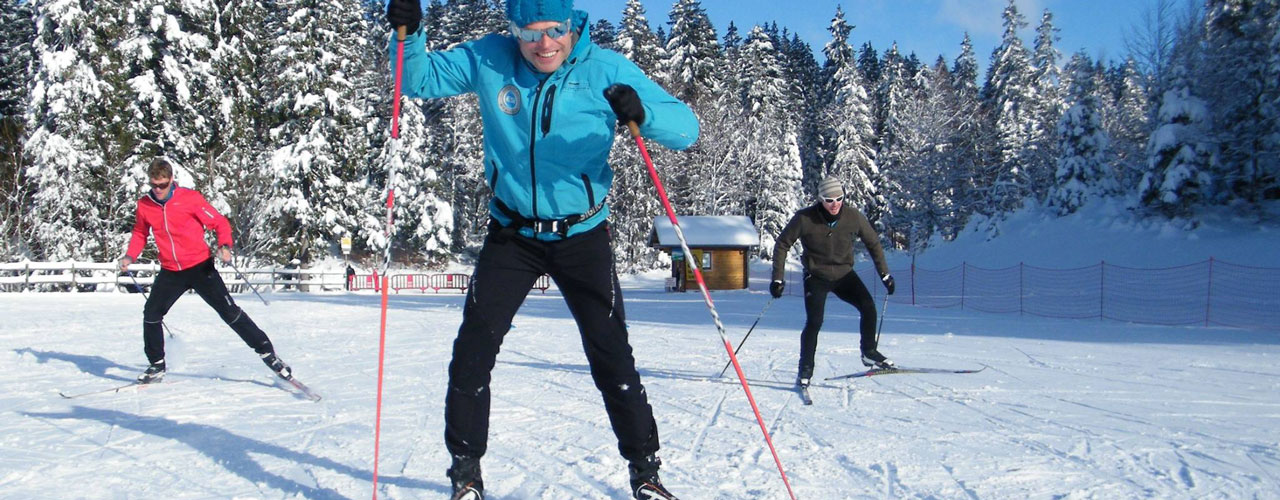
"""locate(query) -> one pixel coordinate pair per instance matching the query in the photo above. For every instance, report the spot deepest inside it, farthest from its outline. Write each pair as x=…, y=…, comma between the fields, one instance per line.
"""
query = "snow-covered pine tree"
x=17, y=37
x=637, y=41
x=869, y=64
x=423, y=217
x=691, y=53
x=633, y=202
x=83, y=188
x=1271, y=107
x=896, y=101
x=772, y=170
x=1179, y=175
x=837, y=54
x=1082, y=171
x=1125, y=120
x=1009, y=98
x=806, y=86
x=319, y=147
x=715, y=186
x=691, y=63
x=1049, y=105
x=456, y=134
x=971, y=135
x=604, y=34
x=1238, y=85
x=231, y=158
x=848, y=139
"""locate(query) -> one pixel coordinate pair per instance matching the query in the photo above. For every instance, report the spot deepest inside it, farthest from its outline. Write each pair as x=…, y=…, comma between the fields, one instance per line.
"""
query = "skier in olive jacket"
x=826, y=230
x=549, y=101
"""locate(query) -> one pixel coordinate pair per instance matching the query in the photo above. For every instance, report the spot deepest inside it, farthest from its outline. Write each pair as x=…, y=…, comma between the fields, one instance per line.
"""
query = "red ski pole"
x=706, y=297
x=386, y=262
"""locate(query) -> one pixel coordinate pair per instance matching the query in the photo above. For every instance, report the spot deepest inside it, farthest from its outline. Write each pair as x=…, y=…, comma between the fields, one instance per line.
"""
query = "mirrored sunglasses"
x=161, y=186
x=837, y=199
x=533, y=36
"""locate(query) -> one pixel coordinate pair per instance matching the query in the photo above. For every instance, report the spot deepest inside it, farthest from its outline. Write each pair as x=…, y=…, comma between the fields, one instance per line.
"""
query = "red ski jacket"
x=178, y=226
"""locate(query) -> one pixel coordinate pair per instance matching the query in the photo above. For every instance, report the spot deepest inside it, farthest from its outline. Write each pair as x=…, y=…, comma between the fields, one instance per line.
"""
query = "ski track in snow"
x=1116, y=412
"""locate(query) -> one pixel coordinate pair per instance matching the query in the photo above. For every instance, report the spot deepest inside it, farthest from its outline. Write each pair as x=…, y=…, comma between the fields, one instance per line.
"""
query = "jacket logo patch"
x=509, y=100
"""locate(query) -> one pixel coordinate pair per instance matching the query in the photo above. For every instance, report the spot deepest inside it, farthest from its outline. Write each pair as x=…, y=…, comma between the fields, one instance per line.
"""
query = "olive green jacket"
x=828, y=251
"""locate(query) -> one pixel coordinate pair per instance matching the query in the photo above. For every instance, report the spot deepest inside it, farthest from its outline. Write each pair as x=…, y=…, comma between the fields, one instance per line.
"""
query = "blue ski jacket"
x=546, y=136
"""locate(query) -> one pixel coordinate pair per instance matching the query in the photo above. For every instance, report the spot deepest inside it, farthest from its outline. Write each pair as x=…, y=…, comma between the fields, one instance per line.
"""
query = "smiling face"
x=833, y=204
x=547, y=54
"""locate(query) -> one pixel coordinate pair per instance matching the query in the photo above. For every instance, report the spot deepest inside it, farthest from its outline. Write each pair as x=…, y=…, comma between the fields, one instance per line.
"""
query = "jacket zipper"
x=591, y=196
x=164, y=215
x=533, y=134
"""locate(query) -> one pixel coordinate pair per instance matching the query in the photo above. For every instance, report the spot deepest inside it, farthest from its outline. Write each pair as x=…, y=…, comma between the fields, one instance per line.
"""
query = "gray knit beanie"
x=830, y=187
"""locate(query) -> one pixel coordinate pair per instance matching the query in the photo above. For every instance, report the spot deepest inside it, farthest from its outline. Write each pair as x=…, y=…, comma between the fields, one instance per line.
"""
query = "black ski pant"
x=849, y=289
x=205, y=280
x=582, y=268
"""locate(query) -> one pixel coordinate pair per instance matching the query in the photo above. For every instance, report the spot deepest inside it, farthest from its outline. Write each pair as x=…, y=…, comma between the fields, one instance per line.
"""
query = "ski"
x=104, y=391
x=301, y=387
x=889, y=371
x=804, y=394
x=772, y=384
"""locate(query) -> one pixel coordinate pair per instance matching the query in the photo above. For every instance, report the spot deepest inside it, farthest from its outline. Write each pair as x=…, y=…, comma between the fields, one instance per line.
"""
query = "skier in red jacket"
x=177, y=218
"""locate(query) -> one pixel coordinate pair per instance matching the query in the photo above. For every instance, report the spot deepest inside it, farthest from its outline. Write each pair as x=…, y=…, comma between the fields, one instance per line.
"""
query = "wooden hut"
x=721, y=246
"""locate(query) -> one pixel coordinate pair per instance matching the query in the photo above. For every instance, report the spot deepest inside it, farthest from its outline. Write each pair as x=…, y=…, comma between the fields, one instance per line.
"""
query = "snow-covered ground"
x=1065, y=409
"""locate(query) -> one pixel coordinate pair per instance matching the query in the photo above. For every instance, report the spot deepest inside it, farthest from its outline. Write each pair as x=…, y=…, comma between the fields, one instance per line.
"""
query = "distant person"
x=291, y=273
x=550, y=101
x=351, y=276
x=177, y=219
x=826, y=230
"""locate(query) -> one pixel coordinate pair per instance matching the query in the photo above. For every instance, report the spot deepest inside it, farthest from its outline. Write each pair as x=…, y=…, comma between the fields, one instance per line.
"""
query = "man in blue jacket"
x=549, y=100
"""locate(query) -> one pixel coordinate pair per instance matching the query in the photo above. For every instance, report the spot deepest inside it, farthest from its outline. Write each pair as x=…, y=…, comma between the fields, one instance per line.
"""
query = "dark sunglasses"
x=837, y=199
x=161, y=186
x=533, y=36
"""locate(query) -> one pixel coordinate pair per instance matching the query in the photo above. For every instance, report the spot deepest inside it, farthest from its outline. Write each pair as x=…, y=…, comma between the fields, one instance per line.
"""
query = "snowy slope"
x=1081, y=409
x=1107, y=230
x=1066, y=409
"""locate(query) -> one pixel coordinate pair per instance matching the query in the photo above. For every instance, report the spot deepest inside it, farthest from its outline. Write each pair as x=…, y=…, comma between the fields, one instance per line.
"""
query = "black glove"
x=888, y=282
x=625, y=103
x=775, y=289
x=407, y=13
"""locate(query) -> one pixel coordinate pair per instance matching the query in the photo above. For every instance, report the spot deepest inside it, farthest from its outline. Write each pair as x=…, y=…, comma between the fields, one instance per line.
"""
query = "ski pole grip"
x=635, y=129
x=401, y=32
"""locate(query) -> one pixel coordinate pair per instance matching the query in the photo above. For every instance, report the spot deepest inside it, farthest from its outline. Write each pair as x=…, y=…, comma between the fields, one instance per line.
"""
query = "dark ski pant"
x=205, y=280
x=849, y=289
x=582, y=267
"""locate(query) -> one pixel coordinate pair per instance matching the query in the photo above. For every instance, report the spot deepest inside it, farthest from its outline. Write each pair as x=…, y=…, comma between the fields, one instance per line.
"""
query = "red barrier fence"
x=1210, y=292
x=423, y=282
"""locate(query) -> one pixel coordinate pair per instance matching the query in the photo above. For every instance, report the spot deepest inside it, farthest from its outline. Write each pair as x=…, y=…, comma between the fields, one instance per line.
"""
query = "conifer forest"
x=279, y=112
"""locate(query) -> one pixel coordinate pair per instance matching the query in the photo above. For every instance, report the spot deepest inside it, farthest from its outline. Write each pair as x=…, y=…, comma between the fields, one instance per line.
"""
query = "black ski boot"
x=464, y=475
x=872, y=357
x=153, y=374
x=645, y=484
x=276, y=365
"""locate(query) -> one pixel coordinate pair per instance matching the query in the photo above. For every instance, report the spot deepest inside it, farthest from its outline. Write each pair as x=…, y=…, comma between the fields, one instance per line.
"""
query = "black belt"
x=558, y=226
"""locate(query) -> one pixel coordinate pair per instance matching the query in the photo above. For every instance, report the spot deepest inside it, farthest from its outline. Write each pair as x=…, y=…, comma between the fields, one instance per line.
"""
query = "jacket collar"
x=173, y=191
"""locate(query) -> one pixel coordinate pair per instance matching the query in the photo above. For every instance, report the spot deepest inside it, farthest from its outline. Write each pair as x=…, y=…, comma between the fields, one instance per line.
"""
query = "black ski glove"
x=775, y=289
x=625, y=103
x=407, y=13
x=888, y=282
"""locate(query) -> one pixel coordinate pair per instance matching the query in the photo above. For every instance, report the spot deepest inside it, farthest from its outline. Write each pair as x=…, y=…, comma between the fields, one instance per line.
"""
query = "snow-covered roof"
x=705, y=231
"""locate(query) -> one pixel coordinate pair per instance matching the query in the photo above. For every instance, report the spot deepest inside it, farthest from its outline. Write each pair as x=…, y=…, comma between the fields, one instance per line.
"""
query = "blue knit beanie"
x=525, y=12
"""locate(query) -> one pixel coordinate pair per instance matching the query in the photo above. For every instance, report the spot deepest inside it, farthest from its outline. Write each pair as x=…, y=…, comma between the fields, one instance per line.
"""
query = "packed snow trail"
x=1088, y=409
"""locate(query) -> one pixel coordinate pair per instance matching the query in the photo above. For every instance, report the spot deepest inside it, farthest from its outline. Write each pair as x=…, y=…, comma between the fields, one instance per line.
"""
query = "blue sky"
x=926, y=27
